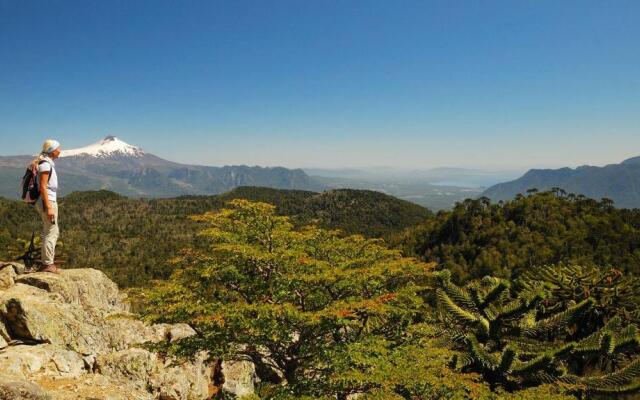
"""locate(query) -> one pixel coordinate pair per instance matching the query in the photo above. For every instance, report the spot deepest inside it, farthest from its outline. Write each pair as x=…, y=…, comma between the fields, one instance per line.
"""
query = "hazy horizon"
x=363, y=167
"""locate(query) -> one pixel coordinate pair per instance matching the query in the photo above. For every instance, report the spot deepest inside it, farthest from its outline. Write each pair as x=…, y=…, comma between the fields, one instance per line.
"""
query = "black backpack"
x=30, y=190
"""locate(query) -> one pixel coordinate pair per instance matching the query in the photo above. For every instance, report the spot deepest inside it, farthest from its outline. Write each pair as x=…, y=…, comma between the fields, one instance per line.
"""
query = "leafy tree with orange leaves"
x=291, y=300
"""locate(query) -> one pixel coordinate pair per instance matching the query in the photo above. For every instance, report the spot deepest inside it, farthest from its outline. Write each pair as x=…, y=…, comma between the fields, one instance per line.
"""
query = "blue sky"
x=327, y=83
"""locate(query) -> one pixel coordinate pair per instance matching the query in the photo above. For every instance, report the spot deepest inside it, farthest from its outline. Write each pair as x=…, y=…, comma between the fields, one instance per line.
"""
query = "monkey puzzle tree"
x=514, y=342
x=614, y=292
x=286, y=298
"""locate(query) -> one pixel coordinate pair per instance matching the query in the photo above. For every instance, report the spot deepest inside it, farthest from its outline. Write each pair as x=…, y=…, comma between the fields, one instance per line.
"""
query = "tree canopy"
x=293, y=299
x=478, y=238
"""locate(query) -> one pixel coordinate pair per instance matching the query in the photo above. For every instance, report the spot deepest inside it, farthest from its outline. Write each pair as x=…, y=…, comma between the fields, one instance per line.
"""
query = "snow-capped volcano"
x=110, y=146
x=114, y=165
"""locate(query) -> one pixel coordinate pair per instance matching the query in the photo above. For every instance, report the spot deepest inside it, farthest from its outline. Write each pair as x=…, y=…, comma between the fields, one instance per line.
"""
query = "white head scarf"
x=49, y=146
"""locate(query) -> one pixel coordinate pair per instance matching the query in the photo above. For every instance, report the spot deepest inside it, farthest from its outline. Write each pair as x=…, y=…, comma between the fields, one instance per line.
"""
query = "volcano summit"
x=115, y=165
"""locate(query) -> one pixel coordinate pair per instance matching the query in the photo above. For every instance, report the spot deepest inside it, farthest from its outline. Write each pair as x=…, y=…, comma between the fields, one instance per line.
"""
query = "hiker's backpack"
x=30, y=190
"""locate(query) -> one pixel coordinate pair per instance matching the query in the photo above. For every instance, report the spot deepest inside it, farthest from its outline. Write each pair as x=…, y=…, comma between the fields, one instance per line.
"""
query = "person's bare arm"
x=44, y=180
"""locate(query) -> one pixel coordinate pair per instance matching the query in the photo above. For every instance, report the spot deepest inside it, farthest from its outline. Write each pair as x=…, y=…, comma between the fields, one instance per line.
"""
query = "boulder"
x=88, y=288
x=184, y=380
x=18, y=268
x=7, y=276
x=4, y=335
x=12, y=388
x=169, y=379
x=172, y=332
x=30, y=314
x=135, y=365
x=50, y=360
x=73, y=309
x=239, y=377
x=123, y=332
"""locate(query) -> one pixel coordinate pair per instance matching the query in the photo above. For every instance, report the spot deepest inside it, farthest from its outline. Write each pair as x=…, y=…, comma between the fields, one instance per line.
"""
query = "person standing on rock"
x=47, y=206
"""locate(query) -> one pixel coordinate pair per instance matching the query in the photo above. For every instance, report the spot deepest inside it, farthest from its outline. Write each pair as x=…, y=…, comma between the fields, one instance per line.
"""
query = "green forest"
x=479, y=238
x=132, y=239
x=349, y=294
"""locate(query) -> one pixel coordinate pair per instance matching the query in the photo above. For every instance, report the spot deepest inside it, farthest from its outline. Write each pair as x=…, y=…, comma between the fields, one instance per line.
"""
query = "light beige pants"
x=50, y=232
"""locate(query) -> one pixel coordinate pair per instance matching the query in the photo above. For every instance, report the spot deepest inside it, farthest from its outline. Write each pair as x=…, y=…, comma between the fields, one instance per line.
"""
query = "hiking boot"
x=49, y=268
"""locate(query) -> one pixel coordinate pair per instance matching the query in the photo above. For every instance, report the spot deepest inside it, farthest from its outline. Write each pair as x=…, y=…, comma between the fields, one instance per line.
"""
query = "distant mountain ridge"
x=618, y=182
x=632, y=161
x=115, y=165
x=112, y=164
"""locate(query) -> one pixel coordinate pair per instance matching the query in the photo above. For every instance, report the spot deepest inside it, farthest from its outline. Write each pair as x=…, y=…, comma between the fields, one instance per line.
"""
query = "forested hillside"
x=132, y=239
x=479, y=238
x=323, y=316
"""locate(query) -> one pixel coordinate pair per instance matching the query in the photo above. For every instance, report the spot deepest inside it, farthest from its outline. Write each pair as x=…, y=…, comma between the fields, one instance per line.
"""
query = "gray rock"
x=184, y=380
x=7, y=277
x=19, y=268
x=30, y=314
x=69, y=309
x=4, y=335
x=41, y=360
x=12, y=388
x=88, y=288
x=172, y=332
x=79, y=343
x=239, y=377
x=167, y=379
x=123, y=332
x=131, y=365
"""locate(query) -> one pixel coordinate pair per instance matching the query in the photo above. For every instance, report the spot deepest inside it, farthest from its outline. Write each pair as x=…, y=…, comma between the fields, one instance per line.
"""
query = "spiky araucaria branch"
x=506, y=342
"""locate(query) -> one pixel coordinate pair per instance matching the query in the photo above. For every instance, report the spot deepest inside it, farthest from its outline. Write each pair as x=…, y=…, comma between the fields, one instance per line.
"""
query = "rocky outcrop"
x=15, y=388
x=240, y=377
x=71, y=336
x=7, y=277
